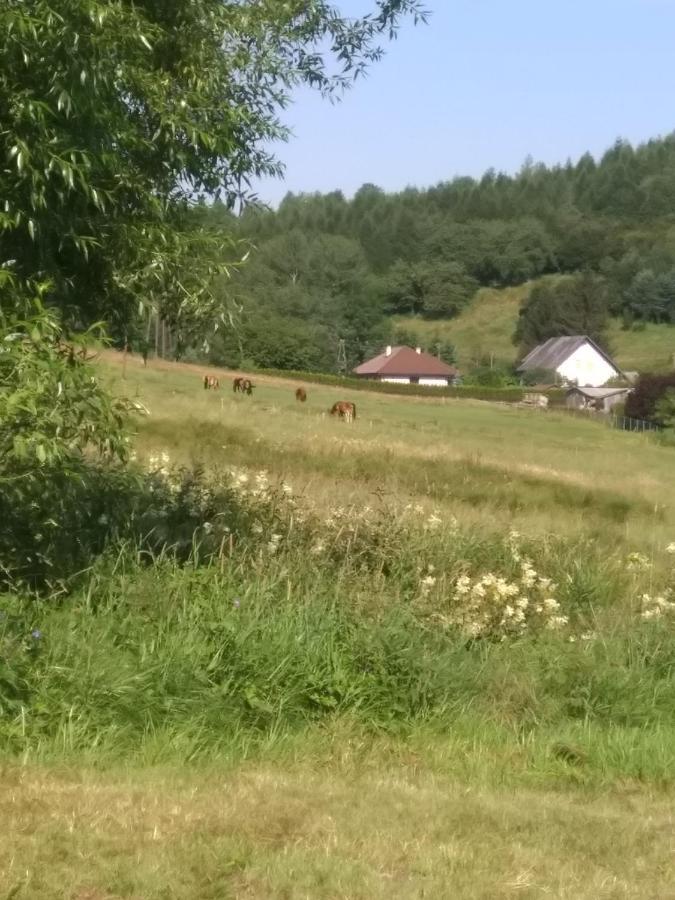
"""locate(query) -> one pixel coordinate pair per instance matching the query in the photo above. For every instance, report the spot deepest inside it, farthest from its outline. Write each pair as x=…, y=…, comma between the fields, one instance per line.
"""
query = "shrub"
x=511, y=394
x=650, y=389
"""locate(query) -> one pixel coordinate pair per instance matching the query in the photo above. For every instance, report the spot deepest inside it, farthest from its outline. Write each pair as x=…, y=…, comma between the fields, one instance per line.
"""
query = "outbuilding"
x=600, y=399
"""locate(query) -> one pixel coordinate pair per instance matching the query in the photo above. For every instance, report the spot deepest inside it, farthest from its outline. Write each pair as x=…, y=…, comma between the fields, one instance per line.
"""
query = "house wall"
x=587, y=368
x=393, y=380
x=434, y=382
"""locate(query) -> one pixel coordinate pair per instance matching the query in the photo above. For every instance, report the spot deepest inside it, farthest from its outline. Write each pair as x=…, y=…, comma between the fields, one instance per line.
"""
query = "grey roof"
x=555, y=351
x=599, y=393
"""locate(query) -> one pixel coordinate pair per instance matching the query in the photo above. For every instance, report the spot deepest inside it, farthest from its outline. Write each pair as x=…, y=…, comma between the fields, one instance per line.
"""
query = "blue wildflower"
x=36, y=634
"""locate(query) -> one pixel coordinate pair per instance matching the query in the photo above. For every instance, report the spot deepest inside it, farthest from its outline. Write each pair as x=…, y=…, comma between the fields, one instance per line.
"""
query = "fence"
x=621, y=423
x=624, y=423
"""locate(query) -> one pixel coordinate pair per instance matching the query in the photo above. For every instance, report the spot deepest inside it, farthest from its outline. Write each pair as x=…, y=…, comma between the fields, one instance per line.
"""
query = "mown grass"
x=485, y=329
x=294, y=714
x=366, y=828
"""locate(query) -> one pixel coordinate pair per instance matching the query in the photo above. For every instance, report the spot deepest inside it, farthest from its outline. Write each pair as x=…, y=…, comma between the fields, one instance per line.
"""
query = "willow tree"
x=115, y=116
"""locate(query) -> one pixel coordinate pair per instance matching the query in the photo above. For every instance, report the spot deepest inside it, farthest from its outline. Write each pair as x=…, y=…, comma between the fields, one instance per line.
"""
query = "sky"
x=487, y=83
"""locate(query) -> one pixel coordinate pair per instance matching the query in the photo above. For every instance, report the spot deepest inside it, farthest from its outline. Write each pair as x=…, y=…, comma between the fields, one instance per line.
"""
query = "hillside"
x=326, y=273
x=485, y=328
x=403, y=639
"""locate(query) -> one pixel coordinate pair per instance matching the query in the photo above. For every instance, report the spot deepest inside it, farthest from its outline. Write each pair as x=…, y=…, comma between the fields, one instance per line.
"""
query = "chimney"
x=418, y=349
x=387, y=352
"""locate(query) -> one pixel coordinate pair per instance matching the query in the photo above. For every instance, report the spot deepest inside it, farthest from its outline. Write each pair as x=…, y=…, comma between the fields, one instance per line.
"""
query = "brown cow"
x=301, y=395
x=211, y=383
x=344, y=410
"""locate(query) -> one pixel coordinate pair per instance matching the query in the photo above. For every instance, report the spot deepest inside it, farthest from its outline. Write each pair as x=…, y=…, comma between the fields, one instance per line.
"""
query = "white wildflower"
x=637, y=562
x=671, y=548
x=273, y=543
x=433, y=522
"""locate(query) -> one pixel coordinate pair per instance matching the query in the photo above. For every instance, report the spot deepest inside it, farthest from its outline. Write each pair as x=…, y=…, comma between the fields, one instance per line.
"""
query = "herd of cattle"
x=343, y=409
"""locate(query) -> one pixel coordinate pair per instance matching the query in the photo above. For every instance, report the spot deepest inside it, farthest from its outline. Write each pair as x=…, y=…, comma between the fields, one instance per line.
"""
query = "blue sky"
x=486, y=83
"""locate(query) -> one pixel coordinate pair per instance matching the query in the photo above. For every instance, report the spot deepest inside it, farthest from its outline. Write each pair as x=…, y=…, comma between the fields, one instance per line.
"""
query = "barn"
x=576, y=359
x=405, y=365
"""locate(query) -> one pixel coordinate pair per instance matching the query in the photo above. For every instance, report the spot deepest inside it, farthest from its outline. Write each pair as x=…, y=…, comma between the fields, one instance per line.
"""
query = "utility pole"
x=341, y=357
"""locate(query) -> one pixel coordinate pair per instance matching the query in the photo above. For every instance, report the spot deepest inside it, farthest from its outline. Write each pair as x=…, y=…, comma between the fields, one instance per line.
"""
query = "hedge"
x=461, y=392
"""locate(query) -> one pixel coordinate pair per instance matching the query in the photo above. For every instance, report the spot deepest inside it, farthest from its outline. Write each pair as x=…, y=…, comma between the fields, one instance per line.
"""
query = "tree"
x=651, y=296
x=435, y=289
x=115, y=116
x=567, y=306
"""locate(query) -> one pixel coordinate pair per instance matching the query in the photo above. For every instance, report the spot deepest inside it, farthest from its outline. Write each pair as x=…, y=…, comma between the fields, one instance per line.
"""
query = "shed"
x=600, y=399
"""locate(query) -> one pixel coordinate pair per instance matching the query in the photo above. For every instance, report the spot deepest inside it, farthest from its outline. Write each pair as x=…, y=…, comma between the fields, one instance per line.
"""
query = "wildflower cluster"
x=492, y=606
x=495, y=606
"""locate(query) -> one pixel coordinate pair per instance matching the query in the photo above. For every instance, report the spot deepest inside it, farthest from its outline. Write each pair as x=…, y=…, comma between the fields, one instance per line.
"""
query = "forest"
x=324, y=269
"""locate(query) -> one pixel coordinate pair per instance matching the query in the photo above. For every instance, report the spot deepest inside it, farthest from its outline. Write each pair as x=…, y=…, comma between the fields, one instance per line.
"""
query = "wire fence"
x=621, y=423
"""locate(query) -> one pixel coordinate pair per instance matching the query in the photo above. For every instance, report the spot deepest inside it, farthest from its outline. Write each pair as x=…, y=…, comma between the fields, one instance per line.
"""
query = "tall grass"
x=312, y=620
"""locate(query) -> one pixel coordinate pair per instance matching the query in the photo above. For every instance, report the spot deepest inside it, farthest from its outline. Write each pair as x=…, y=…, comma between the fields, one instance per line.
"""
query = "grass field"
x=297, y=721
x=495, y=465
x=486, y=327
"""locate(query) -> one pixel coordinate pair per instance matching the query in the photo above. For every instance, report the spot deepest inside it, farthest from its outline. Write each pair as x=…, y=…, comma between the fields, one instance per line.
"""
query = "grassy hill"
x=486, y=326
x=304, y=713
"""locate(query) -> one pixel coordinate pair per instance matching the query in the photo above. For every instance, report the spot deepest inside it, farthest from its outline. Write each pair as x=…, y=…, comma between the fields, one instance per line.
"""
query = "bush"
x=540, y=376
x=643, y=400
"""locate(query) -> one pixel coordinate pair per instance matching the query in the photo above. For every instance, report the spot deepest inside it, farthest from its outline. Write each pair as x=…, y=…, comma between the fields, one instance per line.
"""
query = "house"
x=575, y=359
x=405, y=365
x=597, y=398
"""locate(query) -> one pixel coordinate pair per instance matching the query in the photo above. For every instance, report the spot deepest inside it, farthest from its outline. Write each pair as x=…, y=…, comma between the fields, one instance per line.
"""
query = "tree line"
x=325, y=269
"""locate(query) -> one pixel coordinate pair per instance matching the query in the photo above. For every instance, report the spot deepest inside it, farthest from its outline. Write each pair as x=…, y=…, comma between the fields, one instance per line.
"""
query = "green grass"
x=486, y=327
x=496, y=466
x=483, y=330
x=297, y=717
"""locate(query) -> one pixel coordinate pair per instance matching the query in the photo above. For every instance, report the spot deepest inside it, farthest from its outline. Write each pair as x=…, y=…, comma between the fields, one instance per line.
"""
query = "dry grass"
x=335, y=833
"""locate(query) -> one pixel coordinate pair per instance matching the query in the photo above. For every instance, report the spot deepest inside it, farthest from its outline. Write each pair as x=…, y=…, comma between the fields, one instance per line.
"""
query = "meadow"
x=485, y=328
x=426, y=654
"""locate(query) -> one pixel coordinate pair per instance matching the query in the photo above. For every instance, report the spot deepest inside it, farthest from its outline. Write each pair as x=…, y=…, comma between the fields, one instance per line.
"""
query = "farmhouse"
x=406, y=365
x=576, y=360
x=597, y=398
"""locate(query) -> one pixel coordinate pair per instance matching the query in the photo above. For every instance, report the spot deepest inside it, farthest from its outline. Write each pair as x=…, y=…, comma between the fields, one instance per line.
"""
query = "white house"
x=576, y=360
x=403, y=365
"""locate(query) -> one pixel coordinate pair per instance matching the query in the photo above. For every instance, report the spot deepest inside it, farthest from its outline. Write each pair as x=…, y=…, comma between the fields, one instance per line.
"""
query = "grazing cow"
x=243, y=386
x=211, y=383
x=301, y=395
x=344, y=410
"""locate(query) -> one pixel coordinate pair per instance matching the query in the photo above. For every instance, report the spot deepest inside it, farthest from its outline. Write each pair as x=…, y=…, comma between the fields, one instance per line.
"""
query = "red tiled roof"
x=406, y=362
